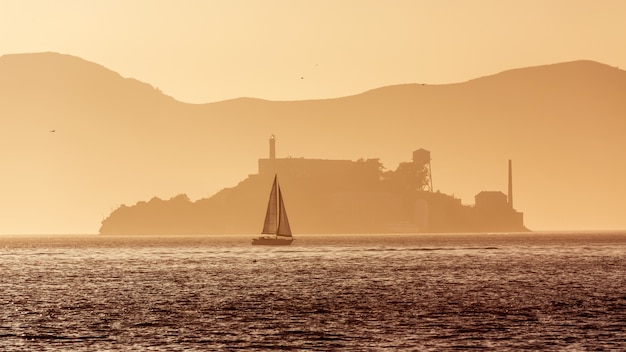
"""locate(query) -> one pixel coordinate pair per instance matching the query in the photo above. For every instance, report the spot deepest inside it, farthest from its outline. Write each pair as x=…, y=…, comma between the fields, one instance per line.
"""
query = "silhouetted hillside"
x=323, y=196
x=118, y=140
x=57, y=79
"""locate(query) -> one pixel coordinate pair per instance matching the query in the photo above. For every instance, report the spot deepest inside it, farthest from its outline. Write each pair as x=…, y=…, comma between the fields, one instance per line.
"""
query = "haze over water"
x=341, y=80
x=550, y=291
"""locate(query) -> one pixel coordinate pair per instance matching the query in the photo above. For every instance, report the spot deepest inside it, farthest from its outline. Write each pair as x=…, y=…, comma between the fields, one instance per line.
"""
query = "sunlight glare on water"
x=351, y=292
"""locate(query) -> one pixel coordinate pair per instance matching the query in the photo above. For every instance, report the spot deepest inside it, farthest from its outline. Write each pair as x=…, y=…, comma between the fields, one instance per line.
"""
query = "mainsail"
x=271, y=220
x=276, y=222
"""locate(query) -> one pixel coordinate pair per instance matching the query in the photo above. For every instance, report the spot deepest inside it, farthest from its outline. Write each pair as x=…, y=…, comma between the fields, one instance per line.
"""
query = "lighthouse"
x=272, y=147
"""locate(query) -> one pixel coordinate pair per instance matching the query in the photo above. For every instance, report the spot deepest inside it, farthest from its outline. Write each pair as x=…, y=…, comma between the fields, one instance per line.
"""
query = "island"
x=325, y=197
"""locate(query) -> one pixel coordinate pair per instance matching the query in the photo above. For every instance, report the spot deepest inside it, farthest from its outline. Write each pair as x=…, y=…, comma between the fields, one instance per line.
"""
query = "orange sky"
x=203, y=51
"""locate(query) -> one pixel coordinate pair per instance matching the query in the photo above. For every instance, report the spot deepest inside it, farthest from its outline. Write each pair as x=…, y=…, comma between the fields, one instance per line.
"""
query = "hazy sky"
x=208, y=50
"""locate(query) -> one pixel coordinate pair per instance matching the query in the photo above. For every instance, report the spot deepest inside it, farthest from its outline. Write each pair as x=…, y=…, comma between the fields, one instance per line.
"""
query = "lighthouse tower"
x=272, y=147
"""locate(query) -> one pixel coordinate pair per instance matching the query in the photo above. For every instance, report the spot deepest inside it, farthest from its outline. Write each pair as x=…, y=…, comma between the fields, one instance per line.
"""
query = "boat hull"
x=272, y=241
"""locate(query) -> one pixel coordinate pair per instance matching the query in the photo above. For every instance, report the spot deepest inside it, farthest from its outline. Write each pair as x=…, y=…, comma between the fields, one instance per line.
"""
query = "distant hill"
x=119, y=141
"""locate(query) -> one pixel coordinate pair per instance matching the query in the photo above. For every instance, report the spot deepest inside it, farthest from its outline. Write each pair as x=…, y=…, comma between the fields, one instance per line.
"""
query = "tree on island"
x=407, y=177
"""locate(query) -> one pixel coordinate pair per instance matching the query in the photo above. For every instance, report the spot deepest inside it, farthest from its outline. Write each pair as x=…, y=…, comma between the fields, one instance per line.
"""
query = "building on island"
x=368, y=199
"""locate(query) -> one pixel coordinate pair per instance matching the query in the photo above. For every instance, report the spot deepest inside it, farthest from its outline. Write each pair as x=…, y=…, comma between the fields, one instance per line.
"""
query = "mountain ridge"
x=58, y=60
x=136, y=142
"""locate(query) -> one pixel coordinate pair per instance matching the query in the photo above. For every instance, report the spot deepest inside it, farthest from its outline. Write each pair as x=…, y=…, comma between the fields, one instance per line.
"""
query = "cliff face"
x=322, y=196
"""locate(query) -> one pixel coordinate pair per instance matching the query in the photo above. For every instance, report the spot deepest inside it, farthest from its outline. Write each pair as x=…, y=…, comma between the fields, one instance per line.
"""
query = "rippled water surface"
x=358, y=292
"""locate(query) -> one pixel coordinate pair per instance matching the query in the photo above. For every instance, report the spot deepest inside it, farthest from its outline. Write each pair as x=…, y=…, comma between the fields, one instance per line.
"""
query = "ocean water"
x=537, y=291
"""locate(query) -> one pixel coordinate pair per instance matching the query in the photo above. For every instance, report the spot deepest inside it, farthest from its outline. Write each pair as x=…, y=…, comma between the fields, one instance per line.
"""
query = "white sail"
x=283, y=221
x=271, y=216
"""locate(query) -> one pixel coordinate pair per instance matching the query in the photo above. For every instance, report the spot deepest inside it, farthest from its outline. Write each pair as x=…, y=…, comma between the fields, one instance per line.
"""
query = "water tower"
x=421, y=158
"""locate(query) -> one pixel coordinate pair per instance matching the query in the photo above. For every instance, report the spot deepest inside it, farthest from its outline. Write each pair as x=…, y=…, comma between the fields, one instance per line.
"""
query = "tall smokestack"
x=510, y=184
x=272, y=147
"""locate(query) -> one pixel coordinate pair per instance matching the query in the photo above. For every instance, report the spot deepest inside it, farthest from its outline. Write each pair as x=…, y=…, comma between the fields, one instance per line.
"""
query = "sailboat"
x=276, y=224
